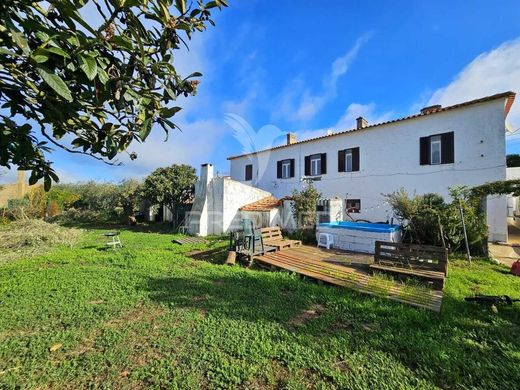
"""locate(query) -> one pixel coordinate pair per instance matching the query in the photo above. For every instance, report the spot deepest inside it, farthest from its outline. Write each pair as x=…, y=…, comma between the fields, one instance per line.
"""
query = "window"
x=249, y=172
x=435, y=150
x=353, y=205
x=285, y=169
x=315, y=165
x=348, y=160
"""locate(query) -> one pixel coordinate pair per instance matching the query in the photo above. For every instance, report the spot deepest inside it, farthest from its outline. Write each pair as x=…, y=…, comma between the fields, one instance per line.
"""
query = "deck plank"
x=309, y=261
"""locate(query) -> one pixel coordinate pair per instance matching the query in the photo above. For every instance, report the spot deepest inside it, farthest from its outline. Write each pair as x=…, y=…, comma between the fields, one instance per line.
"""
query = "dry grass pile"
x=32, y=237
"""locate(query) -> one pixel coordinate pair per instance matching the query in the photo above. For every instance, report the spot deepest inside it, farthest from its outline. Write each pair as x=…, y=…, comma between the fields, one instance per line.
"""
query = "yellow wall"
x=14, y=190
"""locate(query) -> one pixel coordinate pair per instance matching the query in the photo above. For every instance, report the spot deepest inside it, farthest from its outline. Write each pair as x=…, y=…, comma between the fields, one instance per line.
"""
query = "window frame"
x=245, y=172
x=353, y=209
x=349, y=153
x=286, y=169
x=316, y=158
x=434, y=141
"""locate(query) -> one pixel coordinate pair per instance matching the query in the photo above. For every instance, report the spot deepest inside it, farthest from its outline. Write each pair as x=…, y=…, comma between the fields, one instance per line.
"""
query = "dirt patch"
x=139, y=313
x=306, y=315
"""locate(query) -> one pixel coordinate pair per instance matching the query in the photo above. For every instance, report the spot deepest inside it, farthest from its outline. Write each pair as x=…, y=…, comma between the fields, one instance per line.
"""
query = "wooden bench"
x=272, y=236
x=426, y=262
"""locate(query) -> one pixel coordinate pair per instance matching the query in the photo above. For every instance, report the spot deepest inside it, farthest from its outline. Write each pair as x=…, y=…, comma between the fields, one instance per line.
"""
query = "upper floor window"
x=249, y=172
x=437, y=149
x=316, y=164
x=285, y=169
x=348, y=160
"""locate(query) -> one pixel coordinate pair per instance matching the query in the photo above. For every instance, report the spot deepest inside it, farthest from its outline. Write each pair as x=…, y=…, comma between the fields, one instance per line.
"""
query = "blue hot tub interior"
x=364, y=226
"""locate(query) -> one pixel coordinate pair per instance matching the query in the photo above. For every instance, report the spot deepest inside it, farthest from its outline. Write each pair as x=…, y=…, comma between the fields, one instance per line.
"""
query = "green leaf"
x=40, y=55
x=181, y=6
x=169, y=112
x=145, y=130
x=58, y=51
x=122, y=41
x=194, y=74
x=88, y=65
x=55, y=82
x=20, y=41
x=102, y=76
x=47, y=182
x=8, y=52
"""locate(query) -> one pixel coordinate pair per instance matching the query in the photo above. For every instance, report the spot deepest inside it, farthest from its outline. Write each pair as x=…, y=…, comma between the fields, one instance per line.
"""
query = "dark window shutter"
x=341, y=160
x=249, y=172
x=292, y=167
x=323, y=163
x=355, y=159
x=307, y=165
x=447, y=148
x=425, y=150
x=279, y=169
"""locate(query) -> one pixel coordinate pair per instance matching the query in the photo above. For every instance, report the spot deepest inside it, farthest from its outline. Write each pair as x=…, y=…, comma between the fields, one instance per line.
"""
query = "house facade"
x=436, y=149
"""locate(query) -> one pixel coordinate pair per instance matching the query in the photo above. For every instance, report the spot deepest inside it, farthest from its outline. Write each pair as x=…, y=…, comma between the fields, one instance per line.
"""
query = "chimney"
x=361, y=122
x=291, y=138
x=430, y=109
x=206, y=173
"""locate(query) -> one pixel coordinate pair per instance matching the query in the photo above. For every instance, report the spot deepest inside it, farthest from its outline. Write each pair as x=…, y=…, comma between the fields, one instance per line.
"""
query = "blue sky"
x=309, y=66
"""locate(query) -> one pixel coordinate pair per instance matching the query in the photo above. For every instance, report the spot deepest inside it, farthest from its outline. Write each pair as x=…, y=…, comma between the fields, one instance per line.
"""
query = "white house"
x=433, y=150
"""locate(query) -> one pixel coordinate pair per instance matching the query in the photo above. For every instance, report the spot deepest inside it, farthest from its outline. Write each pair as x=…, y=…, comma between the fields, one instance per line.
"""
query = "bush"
x=304, y=206
x=100, y=202
x=428, y=220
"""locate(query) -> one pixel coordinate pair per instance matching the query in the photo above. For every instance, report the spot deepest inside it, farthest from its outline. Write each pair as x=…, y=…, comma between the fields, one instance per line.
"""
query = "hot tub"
x=359, y=236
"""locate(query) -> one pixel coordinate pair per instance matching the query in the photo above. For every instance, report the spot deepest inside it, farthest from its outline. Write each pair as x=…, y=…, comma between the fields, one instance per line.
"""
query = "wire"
x=355, y=176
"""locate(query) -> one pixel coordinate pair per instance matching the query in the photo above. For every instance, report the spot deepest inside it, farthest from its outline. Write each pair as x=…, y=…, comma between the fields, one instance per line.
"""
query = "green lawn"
x=149, y=316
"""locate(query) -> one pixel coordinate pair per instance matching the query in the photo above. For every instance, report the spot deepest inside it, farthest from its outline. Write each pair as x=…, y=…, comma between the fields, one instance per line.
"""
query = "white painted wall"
x=389, y=160
x=217, y=202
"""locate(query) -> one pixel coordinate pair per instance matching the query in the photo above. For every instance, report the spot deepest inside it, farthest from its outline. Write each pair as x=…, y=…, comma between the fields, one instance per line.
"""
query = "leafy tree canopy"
x=513, y=160
x=171, y=186
x=91, y=89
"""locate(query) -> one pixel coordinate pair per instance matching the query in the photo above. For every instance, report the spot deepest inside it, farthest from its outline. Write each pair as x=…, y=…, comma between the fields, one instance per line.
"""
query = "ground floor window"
x=353, y=205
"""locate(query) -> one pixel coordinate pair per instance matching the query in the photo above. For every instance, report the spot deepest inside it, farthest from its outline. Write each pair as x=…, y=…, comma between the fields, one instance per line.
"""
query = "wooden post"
x=231, y=258
x=464, y=228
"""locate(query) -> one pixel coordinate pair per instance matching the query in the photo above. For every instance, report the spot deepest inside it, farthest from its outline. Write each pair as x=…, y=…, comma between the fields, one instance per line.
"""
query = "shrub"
x=304, y=206
x=428, y=220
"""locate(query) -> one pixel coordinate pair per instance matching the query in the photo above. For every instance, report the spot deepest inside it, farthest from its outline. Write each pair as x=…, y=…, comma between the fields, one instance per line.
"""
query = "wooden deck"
x=349, y=270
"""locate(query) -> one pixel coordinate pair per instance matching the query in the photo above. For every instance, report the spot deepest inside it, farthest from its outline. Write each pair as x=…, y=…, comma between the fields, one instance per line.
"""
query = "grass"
x=150, y=316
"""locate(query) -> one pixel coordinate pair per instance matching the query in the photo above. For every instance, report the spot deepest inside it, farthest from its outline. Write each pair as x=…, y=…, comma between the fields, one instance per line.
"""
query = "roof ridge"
x=510, y=95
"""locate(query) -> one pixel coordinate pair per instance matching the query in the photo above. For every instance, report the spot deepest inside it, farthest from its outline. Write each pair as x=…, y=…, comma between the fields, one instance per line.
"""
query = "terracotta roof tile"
x=265, y=204
x=509, y=102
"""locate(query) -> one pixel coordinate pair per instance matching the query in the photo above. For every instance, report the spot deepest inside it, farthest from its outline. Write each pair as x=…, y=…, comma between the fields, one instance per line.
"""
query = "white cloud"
x=348, y=120
x=297, y=102
x=491, y=72
x=194, y=145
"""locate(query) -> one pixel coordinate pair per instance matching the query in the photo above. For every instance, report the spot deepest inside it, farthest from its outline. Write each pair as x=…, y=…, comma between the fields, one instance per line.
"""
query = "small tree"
x=304, y=205
x=129, y=194
x=171, y=186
